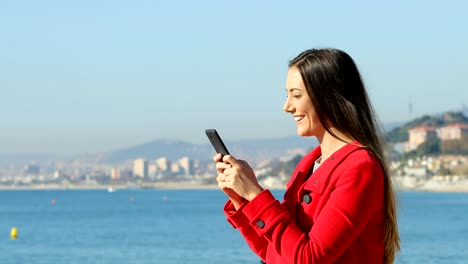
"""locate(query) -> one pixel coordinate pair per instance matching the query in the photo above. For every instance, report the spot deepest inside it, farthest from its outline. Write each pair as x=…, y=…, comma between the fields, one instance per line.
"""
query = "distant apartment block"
x=418, y=135
x=175, y=169
x=140, y=168
x=152, y=170
x=115, y=174
x=163, y=164
x=453, y=132
x=187, y=166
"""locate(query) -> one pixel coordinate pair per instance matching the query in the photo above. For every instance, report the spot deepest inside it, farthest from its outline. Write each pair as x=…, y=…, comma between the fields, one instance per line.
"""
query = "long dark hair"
x=339, y=97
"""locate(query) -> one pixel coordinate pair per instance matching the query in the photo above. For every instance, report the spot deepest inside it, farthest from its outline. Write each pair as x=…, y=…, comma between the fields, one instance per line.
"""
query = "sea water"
x=188, y=226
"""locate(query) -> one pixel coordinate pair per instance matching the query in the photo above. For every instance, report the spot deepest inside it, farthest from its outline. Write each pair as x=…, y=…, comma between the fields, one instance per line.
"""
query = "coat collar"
x=304, y=167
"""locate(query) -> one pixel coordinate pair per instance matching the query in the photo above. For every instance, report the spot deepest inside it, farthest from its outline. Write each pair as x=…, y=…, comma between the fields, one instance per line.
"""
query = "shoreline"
x=399, y=187
x=431, y=184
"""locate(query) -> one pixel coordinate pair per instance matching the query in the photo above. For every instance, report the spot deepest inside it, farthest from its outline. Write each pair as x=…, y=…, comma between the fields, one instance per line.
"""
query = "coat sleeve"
x=357, y=195
x=239, y=221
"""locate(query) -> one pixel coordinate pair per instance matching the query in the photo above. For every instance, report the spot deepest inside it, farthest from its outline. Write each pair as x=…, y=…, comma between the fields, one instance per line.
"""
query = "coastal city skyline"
x=91, y=77
x=431, y=157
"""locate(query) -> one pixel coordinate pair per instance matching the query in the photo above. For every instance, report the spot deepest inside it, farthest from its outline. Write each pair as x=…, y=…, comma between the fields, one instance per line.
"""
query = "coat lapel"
x=303, y=169
x=322, y=174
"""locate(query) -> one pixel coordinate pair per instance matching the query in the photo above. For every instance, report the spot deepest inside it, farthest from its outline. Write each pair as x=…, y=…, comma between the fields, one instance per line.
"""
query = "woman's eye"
x=297, y=96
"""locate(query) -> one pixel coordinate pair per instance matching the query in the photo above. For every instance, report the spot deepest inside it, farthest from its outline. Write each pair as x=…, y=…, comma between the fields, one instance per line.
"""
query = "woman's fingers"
x=230, y=159
x=220, y=178
x=218, y=158
x=221, y=167
x=236, y=178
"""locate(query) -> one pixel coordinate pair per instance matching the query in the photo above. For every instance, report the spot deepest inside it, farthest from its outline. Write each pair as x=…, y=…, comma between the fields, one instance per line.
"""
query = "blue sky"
x=90, y=76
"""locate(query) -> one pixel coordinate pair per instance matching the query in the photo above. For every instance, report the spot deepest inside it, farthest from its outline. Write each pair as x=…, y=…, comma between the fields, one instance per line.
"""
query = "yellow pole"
x=14, y=233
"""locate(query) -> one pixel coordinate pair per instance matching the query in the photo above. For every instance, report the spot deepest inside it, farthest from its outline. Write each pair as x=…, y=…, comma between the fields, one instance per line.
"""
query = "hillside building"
x=418, y=135
x=453, y=131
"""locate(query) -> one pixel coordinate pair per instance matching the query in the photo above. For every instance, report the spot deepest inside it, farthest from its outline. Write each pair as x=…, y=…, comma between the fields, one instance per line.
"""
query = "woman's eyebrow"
x=292, y=89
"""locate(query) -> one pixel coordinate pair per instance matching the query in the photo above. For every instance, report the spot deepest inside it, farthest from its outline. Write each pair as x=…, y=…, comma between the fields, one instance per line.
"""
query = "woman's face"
x=300, y=106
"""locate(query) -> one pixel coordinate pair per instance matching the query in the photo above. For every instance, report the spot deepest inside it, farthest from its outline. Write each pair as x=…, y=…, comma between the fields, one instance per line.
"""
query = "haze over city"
x=92, y=76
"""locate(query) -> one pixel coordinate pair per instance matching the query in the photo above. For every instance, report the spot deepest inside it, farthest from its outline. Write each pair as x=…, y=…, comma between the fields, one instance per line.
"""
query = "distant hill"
x=255, y=150
x=400, y=133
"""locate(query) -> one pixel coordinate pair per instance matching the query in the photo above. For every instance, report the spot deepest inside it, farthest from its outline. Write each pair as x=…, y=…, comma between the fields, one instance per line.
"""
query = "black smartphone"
x=216, y=141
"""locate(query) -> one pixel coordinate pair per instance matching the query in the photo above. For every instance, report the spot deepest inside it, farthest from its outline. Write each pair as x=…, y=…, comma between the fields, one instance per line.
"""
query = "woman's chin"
x=304, y=133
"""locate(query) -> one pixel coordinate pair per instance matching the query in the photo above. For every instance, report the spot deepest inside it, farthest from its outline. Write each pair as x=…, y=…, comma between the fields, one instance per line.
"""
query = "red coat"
x=335, y=216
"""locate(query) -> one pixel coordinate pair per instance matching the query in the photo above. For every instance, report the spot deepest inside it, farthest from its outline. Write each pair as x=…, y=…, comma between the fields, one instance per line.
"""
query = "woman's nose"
x=287, y=106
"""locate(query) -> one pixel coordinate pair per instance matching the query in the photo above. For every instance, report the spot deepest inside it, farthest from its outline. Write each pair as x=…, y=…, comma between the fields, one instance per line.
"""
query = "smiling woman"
x=339, y=204
x=300, y=105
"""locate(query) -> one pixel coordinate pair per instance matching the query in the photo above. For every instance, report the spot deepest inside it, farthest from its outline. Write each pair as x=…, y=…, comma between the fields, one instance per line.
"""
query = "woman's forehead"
x=294, y=79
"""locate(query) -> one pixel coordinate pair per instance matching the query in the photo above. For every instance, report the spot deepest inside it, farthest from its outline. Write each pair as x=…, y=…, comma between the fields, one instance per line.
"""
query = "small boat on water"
x=111, y=189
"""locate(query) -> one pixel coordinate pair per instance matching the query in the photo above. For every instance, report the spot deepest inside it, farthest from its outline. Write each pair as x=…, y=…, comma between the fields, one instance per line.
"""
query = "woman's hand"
x=237, y=176
x=220, y=167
